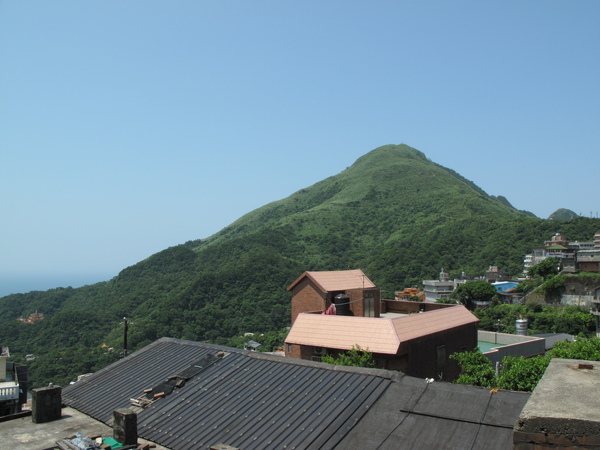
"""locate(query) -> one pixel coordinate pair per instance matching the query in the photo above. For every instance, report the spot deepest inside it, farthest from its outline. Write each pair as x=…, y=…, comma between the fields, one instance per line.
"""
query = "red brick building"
x=316, y=291
x=417, y=344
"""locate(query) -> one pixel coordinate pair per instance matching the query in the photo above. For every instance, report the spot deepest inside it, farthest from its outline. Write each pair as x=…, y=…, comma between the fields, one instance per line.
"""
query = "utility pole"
x=125, y=337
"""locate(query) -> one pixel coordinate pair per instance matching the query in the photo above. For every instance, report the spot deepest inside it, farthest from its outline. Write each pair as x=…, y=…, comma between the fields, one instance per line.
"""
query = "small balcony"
x=9, y=391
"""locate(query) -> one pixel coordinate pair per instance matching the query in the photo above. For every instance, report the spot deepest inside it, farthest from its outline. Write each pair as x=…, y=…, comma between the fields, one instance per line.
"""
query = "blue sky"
x=129, y=127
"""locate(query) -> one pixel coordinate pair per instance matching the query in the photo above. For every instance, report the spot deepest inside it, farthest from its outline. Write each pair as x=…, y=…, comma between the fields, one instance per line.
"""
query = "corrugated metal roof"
x=254, y=401
x=244, y=400
x=440, y=416
x=337, y=280
x=378, y=335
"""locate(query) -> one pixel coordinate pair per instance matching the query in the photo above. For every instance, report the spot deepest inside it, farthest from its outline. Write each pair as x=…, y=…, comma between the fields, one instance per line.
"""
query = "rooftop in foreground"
x=23, y=434
x=250, y=401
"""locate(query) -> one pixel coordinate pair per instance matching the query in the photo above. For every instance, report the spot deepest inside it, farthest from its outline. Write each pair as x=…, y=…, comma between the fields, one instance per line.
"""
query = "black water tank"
x=342, y=305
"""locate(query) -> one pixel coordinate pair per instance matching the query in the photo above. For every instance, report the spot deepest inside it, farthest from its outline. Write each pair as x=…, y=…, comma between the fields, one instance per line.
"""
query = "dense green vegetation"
x=563, y=214
x=545, y=269
x=356, y=356
x=471, y=291
x=393, y=213
x=518, y=373
x=540, y=319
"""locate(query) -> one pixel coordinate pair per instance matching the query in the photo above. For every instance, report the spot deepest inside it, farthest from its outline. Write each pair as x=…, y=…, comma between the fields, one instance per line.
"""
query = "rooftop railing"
x=9, y=392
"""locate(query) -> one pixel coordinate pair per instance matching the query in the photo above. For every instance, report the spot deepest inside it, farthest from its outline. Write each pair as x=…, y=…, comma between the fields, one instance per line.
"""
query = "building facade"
x=356, y=294
x=13, y=384
x=441, y=288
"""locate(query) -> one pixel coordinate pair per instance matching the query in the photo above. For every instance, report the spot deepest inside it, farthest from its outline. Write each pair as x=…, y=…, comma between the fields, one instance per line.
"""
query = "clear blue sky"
x=128, y=127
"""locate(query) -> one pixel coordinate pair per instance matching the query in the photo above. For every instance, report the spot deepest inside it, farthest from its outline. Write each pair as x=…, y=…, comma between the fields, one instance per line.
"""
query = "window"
x=289, y=348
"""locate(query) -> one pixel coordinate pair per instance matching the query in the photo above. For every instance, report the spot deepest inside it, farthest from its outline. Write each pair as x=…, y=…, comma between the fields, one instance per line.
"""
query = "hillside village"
x=411, y=339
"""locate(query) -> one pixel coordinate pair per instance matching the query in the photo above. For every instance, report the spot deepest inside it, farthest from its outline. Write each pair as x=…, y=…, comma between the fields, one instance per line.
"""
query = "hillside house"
x=494, y=274
x=441, y=288
x=574, y=256
x=407, y=294
x=317, y=291
x=13, y=384
x=417, y=344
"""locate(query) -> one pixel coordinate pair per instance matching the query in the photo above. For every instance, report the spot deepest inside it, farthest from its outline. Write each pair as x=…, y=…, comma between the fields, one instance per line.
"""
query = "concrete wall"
x=578, y=291
x=513, y=345
x=563, y=410
x=407, y=307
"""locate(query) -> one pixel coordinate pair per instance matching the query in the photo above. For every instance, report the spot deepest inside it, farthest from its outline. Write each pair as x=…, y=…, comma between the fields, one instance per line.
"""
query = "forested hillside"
x=393, y=213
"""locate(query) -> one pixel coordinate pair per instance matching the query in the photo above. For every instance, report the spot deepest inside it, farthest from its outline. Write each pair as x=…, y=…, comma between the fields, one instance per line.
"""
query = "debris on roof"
x=250, y=400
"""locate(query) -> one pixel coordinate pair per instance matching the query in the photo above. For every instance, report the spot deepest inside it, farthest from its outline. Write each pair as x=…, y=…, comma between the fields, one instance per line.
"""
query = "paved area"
x=23, y=434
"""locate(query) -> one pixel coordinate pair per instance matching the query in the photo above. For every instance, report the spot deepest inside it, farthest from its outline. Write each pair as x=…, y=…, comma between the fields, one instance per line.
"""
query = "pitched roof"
x=343, y=332
x=422, y=324
x=256, y=401
x=375, y=334
x=337, y=280
x=416, y=415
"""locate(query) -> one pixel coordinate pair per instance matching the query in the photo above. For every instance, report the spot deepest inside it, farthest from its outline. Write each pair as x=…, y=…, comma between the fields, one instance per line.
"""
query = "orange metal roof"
x=375, y=334
x=337, y=280
x=422, y=324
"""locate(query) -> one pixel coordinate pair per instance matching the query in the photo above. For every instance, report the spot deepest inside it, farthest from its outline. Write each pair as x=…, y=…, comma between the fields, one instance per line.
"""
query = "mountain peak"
x=391, y=152
x=563, y=214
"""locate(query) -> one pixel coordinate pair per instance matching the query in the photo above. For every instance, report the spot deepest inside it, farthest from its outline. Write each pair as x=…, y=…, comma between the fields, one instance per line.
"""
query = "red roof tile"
x=337, y=280
x=375, y=334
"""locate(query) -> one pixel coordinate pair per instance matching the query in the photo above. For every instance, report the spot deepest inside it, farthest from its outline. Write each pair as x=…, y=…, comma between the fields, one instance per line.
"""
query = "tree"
x=476, y=369
x=586, y=349
x=446, y=300
x=355, y=357
x=474, y=291
x=554, y=286
x=519, y=373
x=547, y=268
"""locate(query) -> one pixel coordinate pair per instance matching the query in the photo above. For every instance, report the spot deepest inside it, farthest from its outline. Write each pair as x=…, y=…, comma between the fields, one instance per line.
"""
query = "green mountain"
x=394, y=213
x=563, y=214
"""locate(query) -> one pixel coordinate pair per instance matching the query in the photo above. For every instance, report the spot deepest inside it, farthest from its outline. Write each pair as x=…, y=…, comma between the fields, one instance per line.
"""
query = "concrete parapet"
x=562, y=411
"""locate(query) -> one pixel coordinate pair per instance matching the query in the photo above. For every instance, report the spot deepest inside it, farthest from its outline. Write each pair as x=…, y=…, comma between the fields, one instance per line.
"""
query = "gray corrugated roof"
x=242, y=400
x=255, y=401
x=414, y=415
